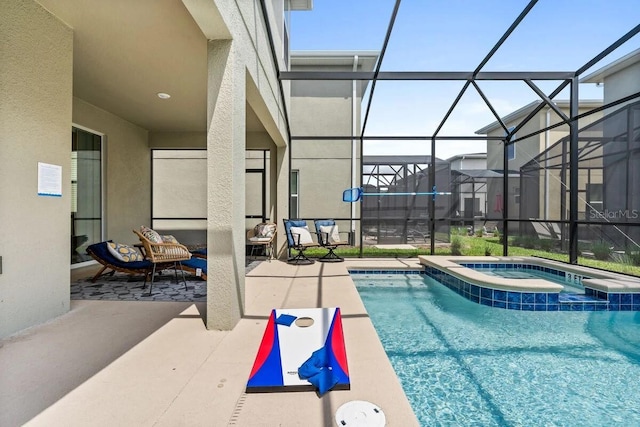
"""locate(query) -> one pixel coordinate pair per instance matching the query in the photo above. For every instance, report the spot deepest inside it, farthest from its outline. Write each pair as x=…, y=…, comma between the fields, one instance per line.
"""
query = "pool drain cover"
x=359, y=413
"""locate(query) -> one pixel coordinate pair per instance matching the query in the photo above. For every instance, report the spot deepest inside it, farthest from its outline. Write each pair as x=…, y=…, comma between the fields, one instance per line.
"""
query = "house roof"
x=325, y=58
x=479, y=173
x=522, y=112
x=599, y=75
x=395, y=160
x=300, y=4
x=467, y=156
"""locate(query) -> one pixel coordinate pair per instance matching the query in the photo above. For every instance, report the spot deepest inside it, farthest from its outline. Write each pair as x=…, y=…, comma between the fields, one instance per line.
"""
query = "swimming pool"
x=463, y=363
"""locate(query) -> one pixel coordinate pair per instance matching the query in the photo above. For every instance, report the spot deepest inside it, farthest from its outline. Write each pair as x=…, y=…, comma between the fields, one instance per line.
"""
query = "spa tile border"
x=591, y=300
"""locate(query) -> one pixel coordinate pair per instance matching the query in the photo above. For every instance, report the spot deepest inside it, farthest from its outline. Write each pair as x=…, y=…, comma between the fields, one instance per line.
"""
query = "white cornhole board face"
x=285, y=348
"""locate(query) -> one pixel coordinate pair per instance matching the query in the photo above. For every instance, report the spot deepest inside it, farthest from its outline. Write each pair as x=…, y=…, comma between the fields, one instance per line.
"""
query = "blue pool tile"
x=514, y=306
x=486, y=301
x=515, y=297
x=577, y=306
x=540, y=298
x=475, y=291
x=635, y=300
x=614, y=298
x=500, y=304
x=486, y=293
x=493, y=266
x=625, y=307
x=589, y=306
x=565, y=307
x=540, y=307
x=552, y=298
x=601, y=307
x=553, y=307
x=528, y=307
x=499, y=295
x=635, y=307
x=625, y=299
x=474, y=298
x=528, y=298
x=614, y=307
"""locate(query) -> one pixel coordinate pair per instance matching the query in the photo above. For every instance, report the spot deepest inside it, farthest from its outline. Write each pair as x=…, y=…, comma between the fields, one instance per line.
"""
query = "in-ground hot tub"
x=602, y=290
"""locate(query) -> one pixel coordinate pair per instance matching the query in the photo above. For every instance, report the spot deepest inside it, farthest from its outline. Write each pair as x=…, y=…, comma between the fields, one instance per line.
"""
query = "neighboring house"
x=522, y=153
x=615, y=198
x=322, y=169
x=469, y=177
x=620, y=78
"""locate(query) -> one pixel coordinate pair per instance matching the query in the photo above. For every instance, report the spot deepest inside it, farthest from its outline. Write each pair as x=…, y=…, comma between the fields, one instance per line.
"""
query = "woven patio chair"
x=162, y=255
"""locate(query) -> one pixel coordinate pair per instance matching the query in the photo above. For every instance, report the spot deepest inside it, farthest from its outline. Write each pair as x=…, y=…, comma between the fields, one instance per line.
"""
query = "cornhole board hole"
x=285, y=348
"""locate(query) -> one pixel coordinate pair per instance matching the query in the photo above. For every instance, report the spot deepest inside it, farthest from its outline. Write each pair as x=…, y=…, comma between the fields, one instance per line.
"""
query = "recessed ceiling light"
x=163, y=95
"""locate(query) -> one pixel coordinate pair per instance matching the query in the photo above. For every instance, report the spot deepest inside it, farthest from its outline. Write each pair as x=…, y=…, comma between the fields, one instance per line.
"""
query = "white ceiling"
x=125, y=52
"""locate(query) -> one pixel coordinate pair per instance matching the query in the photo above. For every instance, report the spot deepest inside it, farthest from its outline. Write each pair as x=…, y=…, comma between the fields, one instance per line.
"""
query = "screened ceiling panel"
x=348, y=25
x=435, y=36
x=409, y=108
x=546, y=38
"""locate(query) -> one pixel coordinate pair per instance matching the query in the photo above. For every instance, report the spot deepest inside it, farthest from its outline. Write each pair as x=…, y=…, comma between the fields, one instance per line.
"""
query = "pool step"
x=581, y=302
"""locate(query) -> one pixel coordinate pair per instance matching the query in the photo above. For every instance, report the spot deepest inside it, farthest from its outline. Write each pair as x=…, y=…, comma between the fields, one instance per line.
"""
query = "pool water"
x=462, y=363
x=510, y=273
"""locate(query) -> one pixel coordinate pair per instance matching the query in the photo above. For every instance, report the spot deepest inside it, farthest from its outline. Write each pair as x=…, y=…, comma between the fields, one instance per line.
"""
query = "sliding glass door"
x=86, y=192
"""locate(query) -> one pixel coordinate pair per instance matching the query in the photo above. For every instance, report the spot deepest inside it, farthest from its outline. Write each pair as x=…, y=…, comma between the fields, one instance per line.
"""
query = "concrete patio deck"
x=114, y=363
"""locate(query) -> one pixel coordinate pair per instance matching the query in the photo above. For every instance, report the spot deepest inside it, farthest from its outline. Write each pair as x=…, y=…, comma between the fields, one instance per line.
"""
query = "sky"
x=456, y=35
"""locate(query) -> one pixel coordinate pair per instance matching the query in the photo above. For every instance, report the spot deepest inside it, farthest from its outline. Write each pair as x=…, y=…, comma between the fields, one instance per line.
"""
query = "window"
x=511, y=149
x=294, y=205
x=594, y=199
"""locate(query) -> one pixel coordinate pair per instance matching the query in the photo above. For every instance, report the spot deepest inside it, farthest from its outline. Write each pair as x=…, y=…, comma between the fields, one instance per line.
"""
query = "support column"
x=281, y=176
x=573, y=173
x=226, y=186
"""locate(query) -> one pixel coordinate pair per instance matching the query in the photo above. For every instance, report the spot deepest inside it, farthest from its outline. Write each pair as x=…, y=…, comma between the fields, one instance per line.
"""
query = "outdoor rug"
x=123, y=287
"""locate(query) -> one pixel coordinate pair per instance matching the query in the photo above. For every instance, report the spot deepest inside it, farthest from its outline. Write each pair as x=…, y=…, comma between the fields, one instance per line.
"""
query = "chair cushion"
x=265, y=230
x=124, y=253
x=260, y=239
x=305, y=236
x=150, y=234
x=100, y=252
x=332, y=231
x=168, y=238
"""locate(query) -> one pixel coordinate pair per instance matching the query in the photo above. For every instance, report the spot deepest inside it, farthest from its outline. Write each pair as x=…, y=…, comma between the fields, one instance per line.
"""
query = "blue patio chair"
x=329, y=238
x=299, y=239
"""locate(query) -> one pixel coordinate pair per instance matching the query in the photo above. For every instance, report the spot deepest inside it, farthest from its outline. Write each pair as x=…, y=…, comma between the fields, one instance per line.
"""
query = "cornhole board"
x=285, y=348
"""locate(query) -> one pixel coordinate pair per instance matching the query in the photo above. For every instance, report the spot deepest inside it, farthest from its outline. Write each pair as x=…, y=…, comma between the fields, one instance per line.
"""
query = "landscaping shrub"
x=634, y=258
x=601, y=251
x=546, y=244
x=456, y=245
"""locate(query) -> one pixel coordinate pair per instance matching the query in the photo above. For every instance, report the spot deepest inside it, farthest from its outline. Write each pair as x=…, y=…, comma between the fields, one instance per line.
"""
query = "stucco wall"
x=35, y=126
x=623, y=83
x=177, y=140
x=128, y=173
